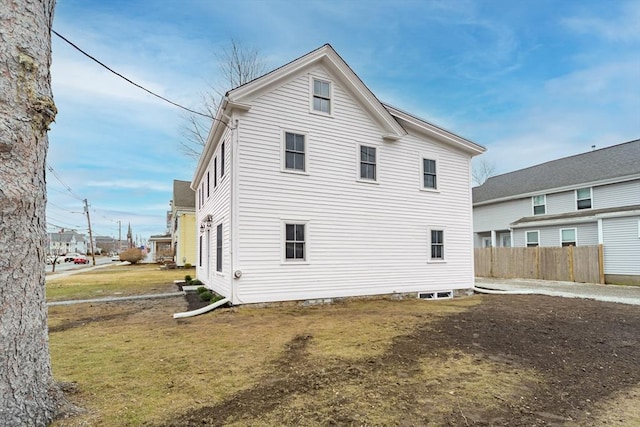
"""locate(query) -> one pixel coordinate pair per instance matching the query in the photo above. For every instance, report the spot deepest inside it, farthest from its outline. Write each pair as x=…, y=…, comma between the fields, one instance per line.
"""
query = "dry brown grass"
x=114, y=280
x=135, y=365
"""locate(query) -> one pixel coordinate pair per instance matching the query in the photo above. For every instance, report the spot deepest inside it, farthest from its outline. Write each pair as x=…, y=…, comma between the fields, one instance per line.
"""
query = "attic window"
x=321, y=96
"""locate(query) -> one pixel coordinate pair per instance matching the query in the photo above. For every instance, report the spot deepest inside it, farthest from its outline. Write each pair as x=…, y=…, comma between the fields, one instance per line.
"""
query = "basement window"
x=435, y=295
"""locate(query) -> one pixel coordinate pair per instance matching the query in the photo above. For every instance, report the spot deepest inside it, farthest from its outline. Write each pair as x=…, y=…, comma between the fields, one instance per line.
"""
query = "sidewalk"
x=609, y=293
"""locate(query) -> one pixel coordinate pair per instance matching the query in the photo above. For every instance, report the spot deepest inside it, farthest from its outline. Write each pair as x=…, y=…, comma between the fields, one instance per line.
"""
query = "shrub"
x=187, y=279
x=196, y=282
x=201, y=289
x=132, y=255
x=187, y=265
x=206, y=296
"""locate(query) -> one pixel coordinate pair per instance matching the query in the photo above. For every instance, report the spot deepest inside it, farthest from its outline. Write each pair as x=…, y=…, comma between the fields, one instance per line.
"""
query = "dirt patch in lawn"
x=508, y=361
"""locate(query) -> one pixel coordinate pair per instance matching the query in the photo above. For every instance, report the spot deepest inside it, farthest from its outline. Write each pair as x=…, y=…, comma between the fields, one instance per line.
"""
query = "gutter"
x=201, y=310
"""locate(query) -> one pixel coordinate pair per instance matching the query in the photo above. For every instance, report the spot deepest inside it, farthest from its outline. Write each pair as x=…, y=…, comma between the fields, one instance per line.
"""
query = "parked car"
x=80, y=259
x=115, y=257
x=71, y=256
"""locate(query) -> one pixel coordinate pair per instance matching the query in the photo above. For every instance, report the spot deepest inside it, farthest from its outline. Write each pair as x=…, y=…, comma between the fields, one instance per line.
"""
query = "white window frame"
x=590, y=198
x=283, y=239
x=430, y=258
x=312, y=110
x=575, y=235
x=436, y=159
x=283, y=152
x=526, y=238
x=358, y=164
x=220, y=256
x=533, y=204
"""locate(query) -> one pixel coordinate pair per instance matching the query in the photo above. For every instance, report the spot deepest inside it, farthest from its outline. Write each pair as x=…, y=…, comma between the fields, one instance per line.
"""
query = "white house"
x=588, y=199
x=310, y=188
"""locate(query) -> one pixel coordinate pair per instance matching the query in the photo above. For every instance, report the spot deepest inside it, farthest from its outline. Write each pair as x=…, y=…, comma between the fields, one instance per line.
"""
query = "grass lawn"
x=357, y=362
x=114, y=280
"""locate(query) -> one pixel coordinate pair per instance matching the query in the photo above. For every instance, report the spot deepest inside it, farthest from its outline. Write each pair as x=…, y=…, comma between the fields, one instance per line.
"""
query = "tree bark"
x=28, y=393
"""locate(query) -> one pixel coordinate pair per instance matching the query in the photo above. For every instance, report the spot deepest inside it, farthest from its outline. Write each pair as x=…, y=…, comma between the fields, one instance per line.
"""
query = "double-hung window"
x=583, y=198
x=539, y=204
x=219, y=248
x=368, y=163
x=437, y=245
x=294, y=152
x=321, y=96
x=533, y=239
x=215, y=172
x=208, y=187
x=295, y=242
x=222, y=159
x=429, y=174
x=568, y=237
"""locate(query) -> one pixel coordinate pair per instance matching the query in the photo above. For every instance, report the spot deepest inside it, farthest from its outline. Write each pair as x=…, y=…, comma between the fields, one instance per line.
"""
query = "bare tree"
x=28, y=394
x=238, y=64
x=482, y=170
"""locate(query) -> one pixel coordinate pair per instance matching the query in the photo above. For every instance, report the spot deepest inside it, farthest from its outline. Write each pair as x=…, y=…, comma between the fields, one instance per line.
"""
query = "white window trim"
x=533, y=205
x=436, y=158
x=590, y=198
x=575, y=234
x=283, y=241
x=526, y=241
x=283, y=152
x=365, y=180
x=221, y=272
x=444, y=258
x=313, y=77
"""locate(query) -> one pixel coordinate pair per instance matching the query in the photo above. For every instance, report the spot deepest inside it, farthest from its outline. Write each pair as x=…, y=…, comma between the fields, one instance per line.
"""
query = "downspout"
x=233, y=295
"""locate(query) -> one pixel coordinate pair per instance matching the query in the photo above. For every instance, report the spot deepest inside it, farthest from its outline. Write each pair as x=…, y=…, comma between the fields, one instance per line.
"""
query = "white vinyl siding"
x=586, y=234
x=385, y=224
x=219, y=207
x=614, y=195
x=498, y=216
x=621, y=245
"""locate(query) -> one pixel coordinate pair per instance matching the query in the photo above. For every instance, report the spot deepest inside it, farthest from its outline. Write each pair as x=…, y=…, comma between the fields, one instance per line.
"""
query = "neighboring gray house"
x=587, y=199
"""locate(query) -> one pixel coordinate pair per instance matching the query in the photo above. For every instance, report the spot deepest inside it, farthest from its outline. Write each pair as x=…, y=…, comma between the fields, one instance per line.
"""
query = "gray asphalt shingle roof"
x=183, y=195
x=606, y=163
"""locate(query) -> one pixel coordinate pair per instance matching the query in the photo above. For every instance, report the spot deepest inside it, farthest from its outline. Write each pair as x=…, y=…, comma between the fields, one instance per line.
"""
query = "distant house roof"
x=618, y=161
x=588, y=213
x=66, y=236
x=183, y=195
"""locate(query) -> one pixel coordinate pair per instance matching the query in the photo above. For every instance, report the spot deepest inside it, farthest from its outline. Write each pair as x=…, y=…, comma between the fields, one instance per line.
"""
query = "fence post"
x=537, y=262
x=572, y=277
x=601, y=262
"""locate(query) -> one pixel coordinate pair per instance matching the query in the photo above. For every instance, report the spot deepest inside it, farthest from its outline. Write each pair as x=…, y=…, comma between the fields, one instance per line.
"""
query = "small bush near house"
x=196, y=282
x=206, y=296
x=187, y=265
x=188, y=279
x=132, y=255
x=201, y=289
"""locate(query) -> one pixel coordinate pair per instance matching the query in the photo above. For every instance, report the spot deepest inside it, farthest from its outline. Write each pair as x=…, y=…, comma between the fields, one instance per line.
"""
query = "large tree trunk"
x=28, y=394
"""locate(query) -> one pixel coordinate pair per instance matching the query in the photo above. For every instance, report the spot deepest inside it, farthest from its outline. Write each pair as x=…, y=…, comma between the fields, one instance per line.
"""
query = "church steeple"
x=130, y=236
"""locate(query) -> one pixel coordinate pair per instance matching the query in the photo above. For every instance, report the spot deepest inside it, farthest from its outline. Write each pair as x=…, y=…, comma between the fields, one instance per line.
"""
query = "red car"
x=81, y=260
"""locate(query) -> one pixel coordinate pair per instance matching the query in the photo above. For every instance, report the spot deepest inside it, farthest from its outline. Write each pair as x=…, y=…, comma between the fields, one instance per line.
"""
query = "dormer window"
x=321, y=96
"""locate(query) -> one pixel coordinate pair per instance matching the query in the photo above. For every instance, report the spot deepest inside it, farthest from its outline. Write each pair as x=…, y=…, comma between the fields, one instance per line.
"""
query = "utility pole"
x=119, y=236
x=86, y=210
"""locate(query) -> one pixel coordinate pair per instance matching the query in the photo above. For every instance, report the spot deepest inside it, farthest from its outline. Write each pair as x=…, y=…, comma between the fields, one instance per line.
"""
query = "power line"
x=55, y=174
x=132, y=82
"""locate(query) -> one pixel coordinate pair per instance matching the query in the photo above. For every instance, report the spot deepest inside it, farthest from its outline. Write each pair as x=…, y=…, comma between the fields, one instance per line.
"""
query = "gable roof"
x=385, y=116
x=615, y=163
x=183, y=195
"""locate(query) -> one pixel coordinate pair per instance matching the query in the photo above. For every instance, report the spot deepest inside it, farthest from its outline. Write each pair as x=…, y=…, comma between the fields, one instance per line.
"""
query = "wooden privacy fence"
x=572, y=264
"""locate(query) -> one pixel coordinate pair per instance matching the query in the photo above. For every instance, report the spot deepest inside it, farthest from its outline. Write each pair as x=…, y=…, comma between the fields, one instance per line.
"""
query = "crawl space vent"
x=436, y=295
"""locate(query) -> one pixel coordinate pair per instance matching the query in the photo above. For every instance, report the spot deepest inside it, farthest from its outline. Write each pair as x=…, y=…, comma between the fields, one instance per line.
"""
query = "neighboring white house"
x=588, y=199
x=310, y=188
x=65, y=241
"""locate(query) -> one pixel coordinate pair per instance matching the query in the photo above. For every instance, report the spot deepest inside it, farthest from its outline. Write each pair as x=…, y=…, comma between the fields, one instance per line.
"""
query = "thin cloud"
x=621, y=28
x=130, y=185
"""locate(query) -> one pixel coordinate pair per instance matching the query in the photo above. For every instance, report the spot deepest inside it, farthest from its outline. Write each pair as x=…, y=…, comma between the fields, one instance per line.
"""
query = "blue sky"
x=531, y=81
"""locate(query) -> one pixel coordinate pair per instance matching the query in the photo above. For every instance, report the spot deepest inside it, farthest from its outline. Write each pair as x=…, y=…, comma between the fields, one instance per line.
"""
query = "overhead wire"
x=55, y=174
x=132, y=82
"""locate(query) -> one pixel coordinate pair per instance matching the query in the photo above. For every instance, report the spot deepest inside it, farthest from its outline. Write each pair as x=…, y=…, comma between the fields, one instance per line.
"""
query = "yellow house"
x=183, y=223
